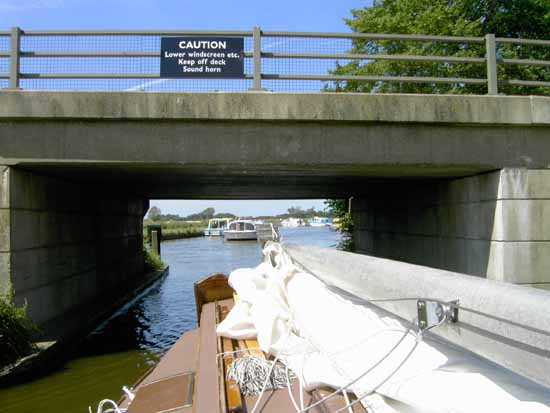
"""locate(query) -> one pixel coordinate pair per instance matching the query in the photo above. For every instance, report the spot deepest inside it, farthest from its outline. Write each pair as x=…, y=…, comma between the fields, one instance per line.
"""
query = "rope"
x=115, y=409
x=102, y=403
x=350, y=405
x=334, y=393
x=225, y=353
x=250, y=372
x=269, y=374
x=292, y=399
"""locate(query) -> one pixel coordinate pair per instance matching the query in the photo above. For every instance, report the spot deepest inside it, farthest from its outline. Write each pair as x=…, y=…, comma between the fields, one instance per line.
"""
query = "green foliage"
x=152, y=260
x=339, y=207
x=298, y=212
x=504, y=18
x=16, y=332
x=154, y=213
x=176, y=229
x=225, y=215
x=206, y=214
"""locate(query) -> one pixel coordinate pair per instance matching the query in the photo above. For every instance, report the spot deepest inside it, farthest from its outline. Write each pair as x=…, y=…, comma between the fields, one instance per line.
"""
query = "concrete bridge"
x=453, y=182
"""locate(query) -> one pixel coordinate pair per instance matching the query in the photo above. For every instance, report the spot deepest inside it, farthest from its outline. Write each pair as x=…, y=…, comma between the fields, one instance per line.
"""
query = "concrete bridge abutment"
x=494, y=225
x=66, y=248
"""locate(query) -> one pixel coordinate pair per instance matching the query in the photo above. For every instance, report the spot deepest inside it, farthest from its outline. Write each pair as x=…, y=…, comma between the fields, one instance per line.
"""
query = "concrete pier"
x=65, y=246
x=494, y=225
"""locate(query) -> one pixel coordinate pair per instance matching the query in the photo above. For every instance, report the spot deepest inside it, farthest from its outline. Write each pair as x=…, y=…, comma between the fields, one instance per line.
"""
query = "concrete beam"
x=348, y=107
x=162, y=144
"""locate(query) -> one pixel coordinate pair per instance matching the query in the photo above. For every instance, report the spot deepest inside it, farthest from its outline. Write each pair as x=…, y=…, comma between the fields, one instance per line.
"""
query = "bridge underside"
x=459, y=183
x=203, y=183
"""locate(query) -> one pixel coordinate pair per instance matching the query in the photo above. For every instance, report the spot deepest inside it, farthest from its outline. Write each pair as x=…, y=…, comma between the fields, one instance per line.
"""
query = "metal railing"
x=40, y=54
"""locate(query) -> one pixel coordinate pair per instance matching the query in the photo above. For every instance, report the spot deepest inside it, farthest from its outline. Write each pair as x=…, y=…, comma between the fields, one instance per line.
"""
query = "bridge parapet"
x=273, y=60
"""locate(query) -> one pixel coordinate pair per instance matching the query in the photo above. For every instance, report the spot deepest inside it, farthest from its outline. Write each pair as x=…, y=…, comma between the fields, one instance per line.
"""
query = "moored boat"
x=320, y=222
x=240, y=230
x=292, y=222
x=216, y=227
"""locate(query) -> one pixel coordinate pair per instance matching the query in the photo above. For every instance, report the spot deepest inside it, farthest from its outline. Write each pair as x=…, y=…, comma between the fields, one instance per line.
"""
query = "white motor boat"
x=216, y=227
x=320, y=222
x=240, y=230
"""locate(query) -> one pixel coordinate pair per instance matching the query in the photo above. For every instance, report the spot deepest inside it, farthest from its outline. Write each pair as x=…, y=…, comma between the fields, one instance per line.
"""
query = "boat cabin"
x=240, y=230
x=216, y=226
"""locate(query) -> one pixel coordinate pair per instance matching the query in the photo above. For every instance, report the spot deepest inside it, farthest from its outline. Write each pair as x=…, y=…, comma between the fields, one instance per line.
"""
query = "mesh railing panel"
x=4, y=65
x=4, y=61
x=145, y=84
x=144, y=65
x=300, y=66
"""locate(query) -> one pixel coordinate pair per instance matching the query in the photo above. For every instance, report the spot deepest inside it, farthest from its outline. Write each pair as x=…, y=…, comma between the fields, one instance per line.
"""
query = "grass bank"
x=176, y=229
x=17, y=332
x=152, y=261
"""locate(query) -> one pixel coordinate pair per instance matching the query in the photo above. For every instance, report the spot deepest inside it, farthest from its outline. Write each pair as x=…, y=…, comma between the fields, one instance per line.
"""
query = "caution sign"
x=202, y=57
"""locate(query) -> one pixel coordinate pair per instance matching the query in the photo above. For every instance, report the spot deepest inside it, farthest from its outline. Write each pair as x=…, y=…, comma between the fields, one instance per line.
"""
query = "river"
x=119, y=351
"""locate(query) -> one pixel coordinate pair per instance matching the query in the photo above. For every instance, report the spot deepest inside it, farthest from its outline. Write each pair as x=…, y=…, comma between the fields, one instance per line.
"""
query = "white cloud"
x=21, y=5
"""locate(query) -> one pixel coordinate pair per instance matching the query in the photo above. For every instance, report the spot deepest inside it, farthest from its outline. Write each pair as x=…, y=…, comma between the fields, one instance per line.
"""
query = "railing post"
x=15, y=46
x=257, y=58
x=491, y=56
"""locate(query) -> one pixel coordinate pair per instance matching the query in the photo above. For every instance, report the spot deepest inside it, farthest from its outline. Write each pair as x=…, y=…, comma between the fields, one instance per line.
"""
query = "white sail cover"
x=326, y=339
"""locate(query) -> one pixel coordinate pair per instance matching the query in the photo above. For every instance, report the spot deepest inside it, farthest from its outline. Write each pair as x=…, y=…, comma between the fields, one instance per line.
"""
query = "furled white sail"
x=327, y=339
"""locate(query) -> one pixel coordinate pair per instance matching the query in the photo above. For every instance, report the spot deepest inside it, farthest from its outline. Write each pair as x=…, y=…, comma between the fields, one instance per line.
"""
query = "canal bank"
x=120, y=350
x=56, y=347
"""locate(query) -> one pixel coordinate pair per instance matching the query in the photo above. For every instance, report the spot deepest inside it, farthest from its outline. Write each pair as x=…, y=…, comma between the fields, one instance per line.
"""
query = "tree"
x=205, y=214
x=225, y=215
x=504, y=18
x=154, y=213
x=295, y=210
x=339, y=209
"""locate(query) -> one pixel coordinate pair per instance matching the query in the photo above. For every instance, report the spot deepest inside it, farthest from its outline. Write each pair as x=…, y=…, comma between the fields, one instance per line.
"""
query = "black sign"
x=202, y=57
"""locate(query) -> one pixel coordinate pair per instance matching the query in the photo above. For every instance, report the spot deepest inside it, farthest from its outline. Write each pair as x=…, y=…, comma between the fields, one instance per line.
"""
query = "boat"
x=292, y=222
x=320, y=222
x=216, y=226
x=340, y=351
x=240, y=230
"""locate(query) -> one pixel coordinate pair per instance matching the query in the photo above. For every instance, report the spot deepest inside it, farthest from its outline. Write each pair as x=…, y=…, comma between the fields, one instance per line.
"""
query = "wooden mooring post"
x=155, y=242
x=267, y=232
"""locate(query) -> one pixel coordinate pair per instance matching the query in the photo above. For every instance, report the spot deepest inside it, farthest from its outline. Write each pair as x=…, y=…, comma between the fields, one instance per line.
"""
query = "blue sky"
x=284, y=15
x=237, y=207
x=305, y=15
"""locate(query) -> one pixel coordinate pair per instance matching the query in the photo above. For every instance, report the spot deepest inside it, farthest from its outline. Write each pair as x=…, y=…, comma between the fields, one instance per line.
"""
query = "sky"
x=290, y=15
x=236, y=207
x=283, y=15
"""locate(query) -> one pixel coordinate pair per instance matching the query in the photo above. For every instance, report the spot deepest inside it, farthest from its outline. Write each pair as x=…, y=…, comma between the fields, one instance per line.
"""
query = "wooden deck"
x=193, y=365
